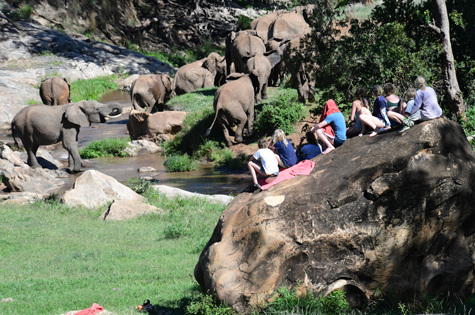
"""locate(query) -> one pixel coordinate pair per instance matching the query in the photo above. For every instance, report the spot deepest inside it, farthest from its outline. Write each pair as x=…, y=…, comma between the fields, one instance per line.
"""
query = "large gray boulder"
x=126, y=209
x=94, y=189
x=393, y=213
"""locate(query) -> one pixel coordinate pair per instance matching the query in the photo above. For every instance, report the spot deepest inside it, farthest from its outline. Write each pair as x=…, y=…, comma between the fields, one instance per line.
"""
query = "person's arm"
x=300, y=144
x=417, y=102
x=319, y=126
x=353, y=111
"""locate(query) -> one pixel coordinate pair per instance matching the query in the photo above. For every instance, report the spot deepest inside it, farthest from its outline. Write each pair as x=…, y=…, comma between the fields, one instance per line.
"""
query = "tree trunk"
x=454, y=95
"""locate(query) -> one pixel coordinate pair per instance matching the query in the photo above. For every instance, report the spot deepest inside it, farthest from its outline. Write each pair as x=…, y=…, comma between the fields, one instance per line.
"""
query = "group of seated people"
x=388, y=111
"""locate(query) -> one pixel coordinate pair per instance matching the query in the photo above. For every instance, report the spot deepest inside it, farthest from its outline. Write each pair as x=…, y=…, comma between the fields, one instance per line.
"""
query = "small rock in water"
x=146, y=169
x=95, y=127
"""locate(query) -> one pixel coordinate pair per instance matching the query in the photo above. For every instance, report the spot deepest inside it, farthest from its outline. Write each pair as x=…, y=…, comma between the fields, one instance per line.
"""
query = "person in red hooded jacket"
x=331, y=129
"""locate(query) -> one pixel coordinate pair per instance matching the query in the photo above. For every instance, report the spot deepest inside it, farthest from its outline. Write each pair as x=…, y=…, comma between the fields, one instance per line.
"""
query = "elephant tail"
x=13, y=132
x=217, y=109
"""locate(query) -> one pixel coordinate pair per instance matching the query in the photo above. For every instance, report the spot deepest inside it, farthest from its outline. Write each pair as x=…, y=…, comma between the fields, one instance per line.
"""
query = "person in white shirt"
x=269, y=165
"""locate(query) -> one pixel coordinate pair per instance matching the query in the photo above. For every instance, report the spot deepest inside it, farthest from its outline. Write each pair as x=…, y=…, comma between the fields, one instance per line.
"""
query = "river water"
x=206, y=180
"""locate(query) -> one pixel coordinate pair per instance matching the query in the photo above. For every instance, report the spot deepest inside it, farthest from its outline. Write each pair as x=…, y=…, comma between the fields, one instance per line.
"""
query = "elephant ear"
x=167, y=82
x=76, y=114
x=274, y=57
x=234, y=76
x=69, y=88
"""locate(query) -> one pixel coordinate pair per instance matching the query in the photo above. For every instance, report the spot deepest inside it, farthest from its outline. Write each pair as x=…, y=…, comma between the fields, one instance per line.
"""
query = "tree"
x=442, y=29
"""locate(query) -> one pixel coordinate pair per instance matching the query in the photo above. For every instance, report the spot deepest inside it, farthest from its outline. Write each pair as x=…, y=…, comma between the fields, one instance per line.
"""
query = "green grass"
x=194, y=101
x=105, y=148
x=55, y=259
x=31, y=101
x=92, y=89
x=180, y=163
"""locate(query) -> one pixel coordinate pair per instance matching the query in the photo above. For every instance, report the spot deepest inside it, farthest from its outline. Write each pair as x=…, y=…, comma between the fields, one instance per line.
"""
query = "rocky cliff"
x=394, y=213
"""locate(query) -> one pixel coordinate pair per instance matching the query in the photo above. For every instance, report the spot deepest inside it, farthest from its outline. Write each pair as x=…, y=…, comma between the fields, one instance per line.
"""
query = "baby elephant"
x=151, y=91
x=40, y=124
x=234, y=104
x=55, y=91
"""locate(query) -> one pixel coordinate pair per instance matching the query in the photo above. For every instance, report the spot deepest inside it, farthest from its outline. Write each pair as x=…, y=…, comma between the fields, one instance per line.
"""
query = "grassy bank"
x=92, y=89
x=280, y=110
x=55, y=259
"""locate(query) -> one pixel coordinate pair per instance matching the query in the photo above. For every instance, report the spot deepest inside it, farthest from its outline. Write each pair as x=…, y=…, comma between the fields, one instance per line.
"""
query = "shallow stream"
x=206, y=180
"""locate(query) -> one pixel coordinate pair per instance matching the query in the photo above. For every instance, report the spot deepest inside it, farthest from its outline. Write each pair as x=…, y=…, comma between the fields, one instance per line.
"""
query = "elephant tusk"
x=112, y=116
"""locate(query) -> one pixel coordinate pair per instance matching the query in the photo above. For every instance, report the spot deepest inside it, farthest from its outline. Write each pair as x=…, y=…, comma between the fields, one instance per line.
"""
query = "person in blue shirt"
x=283, y=148
x=331, y=129
x=309, y=150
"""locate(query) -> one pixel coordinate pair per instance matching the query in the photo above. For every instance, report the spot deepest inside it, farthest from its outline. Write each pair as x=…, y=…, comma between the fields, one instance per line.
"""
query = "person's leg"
x=352, y=131
x=254, y=169
x=326, y=140
x=395, y=116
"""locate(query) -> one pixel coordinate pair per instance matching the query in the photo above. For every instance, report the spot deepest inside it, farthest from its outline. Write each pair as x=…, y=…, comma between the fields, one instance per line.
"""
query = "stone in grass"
x=94, y=189
x=127, y=209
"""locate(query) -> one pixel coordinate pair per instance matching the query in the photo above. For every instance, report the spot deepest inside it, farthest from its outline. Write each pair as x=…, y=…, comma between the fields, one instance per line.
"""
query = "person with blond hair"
x=379, y=121
x=283, y=148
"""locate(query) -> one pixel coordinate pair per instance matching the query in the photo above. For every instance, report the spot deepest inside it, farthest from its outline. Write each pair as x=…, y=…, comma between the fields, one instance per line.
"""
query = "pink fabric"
x=302, y=168
x=94, y=309
x=330, y=108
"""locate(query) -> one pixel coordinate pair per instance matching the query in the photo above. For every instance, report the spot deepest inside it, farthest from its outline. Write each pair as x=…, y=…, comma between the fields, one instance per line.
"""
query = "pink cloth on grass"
x=94, y=309
x=302, y=168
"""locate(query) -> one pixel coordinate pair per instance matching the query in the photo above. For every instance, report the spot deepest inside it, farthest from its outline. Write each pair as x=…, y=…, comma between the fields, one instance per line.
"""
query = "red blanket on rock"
x=302, y=168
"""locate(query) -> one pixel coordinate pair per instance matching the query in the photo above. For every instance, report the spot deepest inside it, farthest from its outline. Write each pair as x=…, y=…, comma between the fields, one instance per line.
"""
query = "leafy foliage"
x=105, y=148
x=288, y=301
x=180, y=163
x=282, y=113
x=206, y=305
x=139, y=185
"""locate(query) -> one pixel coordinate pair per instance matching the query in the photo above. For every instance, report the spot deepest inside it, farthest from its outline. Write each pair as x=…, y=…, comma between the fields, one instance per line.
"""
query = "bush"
x=139, y=185
x=289, y=302
x=180, y=163
x=281, y=114
x=206, y=305
x=469, y=125
x=105, y=148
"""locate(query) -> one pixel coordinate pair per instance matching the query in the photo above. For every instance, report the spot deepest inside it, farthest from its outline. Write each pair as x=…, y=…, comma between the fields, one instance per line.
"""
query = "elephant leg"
x=70, y=143
x=264, y=91
x=241, y=122
x=224, y=125
x=31, y=151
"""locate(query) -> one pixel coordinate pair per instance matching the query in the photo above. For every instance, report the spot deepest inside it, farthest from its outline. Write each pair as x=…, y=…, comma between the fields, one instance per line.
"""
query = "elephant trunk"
x=115, y=110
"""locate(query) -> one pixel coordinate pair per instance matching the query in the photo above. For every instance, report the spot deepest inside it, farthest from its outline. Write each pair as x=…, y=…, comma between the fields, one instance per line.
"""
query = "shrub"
x=180, y=163
x=211, y=151
x=289, y=302
x=105, y=148
x=174, y=231
x=282, y=114
x=469, y=124
x=244, y=22
x=139, y=185
x=206, y=305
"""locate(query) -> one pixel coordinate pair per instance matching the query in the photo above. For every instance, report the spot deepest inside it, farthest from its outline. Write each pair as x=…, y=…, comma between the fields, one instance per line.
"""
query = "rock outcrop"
x=94, y=189
x=394, y=213
x=172, y=192
x=126, y=209
x=142, y=124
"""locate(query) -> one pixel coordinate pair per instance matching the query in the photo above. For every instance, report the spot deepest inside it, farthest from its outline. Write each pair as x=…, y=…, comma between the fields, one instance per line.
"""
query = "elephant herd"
x=253, y=59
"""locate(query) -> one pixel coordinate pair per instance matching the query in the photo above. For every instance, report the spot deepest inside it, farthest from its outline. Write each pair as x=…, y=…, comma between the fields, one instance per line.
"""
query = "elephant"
x=263, y=64
x=234, y=104
x=40, y=124
x=207, y=72
x=240, y=46
x=261, y=24
x=55, y=91
x=151, y=91
x=288, y=26
x=278, y=71
x=302, y=76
